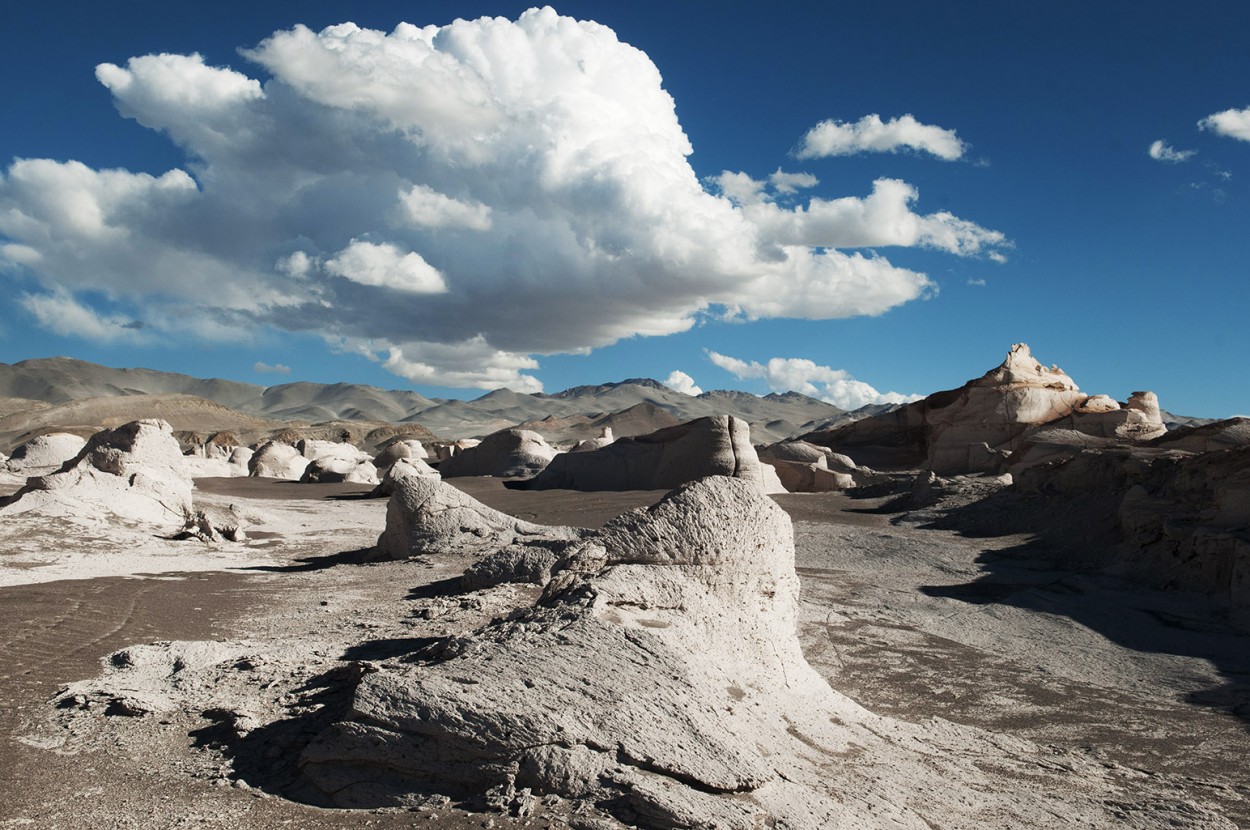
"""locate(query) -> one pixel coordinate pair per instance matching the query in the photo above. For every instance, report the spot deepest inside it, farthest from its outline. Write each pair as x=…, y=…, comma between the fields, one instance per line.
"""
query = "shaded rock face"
x=43, y=451
x=134, y=471
x=668, y=458
x=659, y=671
x=1182, y=520
x=426, y=516
x=509, y=453
x=976, y=428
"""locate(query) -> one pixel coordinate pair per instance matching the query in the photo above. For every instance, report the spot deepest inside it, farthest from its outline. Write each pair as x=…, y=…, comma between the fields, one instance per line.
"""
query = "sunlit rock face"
x=661, y=666
x=977, y=427
x=134, y=472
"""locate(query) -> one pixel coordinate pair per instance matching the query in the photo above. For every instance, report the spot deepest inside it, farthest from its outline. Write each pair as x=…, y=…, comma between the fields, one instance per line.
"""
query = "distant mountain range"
x=631, y=407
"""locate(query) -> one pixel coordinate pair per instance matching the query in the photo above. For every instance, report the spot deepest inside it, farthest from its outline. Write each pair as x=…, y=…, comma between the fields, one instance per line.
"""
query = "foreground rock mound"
x=509, y=453
x=662, y=460
x=660, y=668
x=134, y=471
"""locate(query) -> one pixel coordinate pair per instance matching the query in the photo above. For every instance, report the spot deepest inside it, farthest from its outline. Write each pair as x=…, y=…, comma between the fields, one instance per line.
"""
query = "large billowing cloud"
x=1232, y=123
x=872, y=135
x=796, y=374
x=447, y=201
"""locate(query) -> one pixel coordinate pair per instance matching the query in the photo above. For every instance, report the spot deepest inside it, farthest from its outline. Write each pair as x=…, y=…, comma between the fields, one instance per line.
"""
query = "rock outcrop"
x=977, y=427
x=806, y=468
x=402, y=469
x=660, y=672
x=662, y=460
x=509, y=453
x=134, y=472
x=399, y=450
x=276, y=459
x=426, y=516
x=45, y=452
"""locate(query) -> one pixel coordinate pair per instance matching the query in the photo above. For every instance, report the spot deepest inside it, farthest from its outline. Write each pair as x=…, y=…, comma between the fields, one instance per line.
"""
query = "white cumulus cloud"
x=450, y=201
x=681, y=382
x=1160, y=150
x=64, y=315
x=275, y=368
x=795, y=374
x=1233, y=123
x=872, y=135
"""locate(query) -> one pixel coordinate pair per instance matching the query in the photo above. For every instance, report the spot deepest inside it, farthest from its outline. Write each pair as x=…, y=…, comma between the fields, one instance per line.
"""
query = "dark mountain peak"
x=581, y=391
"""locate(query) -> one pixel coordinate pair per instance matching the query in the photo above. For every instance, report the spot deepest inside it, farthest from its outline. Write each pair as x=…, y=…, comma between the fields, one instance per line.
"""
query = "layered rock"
x=660, y=672
x=802, y=467
x=977, y=427
x=134, y=472
x=662, y=460
x=509, y=453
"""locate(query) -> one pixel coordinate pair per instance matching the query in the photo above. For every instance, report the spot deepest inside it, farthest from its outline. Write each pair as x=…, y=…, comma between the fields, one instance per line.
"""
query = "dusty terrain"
x=910, y=621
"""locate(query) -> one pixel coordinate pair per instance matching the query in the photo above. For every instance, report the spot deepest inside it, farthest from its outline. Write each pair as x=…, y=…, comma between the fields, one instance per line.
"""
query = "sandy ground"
x=913, y=623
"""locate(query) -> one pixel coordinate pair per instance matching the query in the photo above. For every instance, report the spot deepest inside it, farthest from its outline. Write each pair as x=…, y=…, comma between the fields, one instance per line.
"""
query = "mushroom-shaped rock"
x=714, y=446
x=651, y=673
x=507, y=453
x=275, y=459
x=45, y=452
x=134, y=471
x=592, y=444
x=427, y=516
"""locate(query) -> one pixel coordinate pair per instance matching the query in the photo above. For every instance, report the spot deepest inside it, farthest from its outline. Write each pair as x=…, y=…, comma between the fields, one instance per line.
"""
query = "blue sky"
x=1126, y=270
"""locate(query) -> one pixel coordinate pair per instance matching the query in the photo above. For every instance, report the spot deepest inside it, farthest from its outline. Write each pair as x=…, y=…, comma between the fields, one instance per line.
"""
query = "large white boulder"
x=45, y=452
x=661, y=668
x=275, y=459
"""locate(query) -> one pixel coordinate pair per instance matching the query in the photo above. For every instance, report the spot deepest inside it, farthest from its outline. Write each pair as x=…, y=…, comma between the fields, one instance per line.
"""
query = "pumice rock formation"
x=806, y=468
x=508, y=453
x=426, y=516
x=45, y=451
x=977, y=427
x=276, y=459
x=134, y=471
x=660, y=669
x=401, y=469
x=667, y=458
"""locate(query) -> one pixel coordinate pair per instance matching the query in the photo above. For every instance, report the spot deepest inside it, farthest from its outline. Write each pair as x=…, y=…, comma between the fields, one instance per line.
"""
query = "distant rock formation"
x=507, y=453
x=668, y=458
x=976, y=428
x=660, y=672
x=806, y=468
x=277, y=459
x=331, y=463
x=402, y=468
x=134, y=472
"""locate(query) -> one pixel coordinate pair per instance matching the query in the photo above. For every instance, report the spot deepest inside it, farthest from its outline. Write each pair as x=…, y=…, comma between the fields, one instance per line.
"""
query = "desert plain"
x=959, y=650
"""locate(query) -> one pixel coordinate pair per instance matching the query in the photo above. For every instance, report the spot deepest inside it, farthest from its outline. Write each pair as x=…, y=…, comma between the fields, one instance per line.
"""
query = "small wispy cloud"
x=273, y=369
x=977, y=282
x=1160, y=150
x=872, y=135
